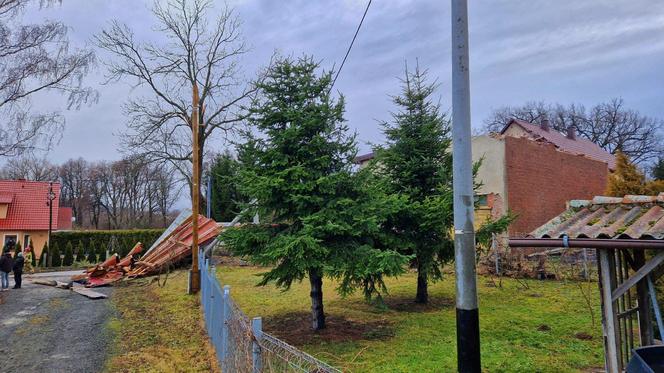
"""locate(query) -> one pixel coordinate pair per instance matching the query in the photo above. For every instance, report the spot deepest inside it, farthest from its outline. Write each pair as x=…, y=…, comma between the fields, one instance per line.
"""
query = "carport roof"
x=629, y=217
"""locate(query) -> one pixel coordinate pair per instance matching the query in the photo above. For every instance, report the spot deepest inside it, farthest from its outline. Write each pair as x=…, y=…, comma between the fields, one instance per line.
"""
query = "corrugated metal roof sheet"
x=631, y=217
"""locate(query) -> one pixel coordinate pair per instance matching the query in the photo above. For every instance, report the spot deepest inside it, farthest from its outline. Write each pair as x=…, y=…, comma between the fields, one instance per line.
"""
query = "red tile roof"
x=28, y=209
x=64, y=218
x=578, y=145
x=6, y=197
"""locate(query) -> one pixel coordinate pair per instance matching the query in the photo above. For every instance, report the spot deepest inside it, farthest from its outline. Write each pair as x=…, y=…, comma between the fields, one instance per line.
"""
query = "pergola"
x=628, y=235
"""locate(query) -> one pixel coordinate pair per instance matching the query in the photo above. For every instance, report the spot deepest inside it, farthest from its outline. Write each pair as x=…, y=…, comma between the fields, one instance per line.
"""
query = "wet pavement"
x=46, y=329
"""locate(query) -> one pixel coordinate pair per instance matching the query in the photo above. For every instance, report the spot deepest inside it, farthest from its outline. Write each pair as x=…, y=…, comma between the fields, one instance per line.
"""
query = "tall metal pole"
x=467, y=315
x=195, y=275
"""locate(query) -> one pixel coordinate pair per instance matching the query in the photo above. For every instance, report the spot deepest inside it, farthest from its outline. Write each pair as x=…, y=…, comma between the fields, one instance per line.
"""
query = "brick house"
x=24, y=212
x=533, y=171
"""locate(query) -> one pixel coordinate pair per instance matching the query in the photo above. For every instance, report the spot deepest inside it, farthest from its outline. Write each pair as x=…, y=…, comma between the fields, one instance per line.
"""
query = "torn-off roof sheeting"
x=630, y=217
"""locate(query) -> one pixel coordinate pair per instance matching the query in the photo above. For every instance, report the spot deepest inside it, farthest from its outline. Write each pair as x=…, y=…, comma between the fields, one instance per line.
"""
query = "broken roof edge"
x=183, y=216
x=606, y=218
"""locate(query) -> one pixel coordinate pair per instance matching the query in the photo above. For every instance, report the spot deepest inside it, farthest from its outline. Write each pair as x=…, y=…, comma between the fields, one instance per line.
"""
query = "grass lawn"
x=159, y=329
x=546, y=327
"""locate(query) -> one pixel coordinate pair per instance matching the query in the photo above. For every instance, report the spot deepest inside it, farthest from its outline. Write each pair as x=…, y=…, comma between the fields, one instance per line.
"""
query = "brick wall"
x=541, y=179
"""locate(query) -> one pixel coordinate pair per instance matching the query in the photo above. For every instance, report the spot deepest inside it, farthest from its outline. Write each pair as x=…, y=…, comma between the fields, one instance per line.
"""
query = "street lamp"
x=51, y=197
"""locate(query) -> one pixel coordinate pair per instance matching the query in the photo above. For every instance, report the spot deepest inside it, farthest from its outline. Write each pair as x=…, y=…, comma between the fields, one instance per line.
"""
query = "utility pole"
x=208, y=200
x=51, y=198
x=195, y=274
x=467, y=315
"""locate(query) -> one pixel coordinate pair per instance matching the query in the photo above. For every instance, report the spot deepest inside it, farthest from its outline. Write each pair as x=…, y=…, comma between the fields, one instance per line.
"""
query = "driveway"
x=45, y=329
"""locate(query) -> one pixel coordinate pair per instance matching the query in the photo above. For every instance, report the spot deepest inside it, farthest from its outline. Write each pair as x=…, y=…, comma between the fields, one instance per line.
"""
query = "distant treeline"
x=123, y=194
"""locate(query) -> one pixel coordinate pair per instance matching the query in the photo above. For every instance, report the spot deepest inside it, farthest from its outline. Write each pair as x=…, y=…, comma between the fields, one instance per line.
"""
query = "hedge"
x=124, y=239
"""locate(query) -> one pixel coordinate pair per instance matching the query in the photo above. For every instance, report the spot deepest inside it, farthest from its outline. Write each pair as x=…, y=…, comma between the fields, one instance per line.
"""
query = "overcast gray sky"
x=565, y=51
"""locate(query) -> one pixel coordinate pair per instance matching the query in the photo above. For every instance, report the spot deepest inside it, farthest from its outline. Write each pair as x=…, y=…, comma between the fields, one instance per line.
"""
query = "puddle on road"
x=10, y=321
x=27, y=312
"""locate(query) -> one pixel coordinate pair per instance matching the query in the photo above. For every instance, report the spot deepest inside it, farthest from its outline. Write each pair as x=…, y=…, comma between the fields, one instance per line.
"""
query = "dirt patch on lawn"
x=406, y=304
x=295, y=328
x=583, y=336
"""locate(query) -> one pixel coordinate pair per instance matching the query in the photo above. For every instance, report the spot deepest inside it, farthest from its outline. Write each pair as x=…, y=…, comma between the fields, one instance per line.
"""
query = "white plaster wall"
x=492, y=171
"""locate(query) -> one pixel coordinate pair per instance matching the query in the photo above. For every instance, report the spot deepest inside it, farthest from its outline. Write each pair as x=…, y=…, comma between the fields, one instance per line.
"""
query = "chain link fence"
x=240, y=343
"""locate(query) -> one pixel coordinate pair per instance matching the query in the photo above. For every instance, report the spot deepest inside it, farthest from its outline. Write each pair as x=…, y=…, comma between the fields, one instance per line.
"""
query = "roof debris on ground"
x=171, y=248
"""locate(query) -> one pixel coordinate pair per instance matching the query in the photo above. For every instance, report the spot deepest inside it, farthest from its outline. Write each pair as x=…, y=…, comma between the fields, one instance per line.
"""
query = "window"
x=26, y=240
x=481, y=200
x=9, y=238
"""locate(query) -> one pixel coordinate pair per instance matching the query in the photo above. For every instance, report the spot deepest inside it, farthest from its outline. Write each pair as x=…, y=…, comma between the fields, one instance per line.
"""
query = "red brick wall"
x=541, y=179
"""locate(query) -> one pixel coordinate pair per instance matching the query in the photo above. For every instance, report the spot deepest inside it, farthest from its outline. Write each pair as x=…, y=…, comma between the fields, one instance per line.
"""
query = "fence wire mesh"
x=240, y=340
x=241, y=348
x=279, y=356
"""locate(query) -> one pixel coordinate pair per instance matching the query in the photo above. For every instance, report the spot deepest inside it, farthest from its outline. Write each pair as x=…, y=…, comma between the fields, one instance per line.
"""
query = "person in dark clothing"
x=18, y=270
x=6, y=266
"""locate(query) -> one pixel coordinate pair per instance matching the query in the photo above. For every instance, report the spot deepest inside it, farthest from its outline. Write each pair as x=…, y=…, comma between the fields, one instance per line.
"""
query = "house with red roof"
x=24, y=212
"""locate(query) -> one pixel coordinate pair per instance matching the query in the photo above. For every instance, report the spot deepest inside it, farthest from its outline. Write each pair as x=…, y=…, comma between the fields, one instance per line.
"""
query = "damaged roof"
x=578, y=145
x=629, y=217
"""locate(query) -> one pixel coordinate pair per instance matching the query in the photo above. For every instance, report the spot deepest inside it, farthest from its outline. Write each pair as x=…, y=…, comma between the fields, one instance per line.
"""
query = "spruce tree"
x=317, y=217
x=225, y=198
x=69, y=255
x=658, y=170
x=17, y=248
x=416, y=162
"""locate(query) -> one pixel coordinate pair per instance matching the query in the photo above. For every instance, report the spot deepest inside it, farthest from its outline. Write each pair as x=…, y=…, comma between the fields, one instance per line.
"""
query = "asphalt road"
x=45, y=329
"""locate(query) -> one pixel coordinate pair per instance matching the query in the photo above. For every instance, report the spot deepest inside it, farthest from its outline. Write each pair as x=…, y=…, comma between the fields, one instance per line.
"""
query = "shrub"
x=69, y=255
x=103, y=237
x=80, y=252
x=92, y=253
x=42, y=257
x=101, y=252
x=54, y=253
x=34, y=256
x=17, y=249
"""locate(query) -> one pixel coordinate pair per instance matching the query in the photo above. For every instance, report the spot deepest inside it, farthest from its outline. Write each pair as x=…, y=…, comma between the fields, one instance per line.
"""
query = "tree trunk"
x=317, y=314
x=422, y=285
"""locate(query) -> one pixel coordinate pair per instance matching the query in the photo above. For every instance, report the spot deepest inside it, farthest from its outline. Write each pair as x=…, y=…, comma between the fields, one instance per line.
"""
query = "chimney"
x=546, y=125
x=571, y=133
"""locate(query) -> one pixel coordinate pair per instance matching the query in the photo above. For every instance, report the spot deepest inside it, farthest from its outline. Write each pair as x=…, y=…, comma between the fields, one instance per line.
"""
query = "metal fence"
x=239, y=341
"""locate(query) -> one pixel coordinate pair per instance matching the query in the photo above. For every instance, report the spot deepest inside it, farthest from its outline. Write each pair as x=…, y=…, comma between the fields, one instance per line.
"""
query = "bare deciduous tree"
x=610, y=125
x=29, y=167
x=197, y=49
x=34, y=59
x=129, y=193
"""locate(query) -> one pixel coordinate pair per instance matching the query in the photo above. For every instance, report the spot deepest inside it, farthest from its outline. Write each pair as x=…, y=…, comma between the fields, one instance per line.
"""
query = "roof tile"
x=28, y=209
x=579, y=146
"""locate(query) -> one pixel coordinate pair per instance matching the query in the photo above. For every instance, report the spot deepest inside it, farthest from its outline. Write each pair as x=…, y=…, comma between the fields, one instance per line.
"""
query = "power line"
x=357, y=31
